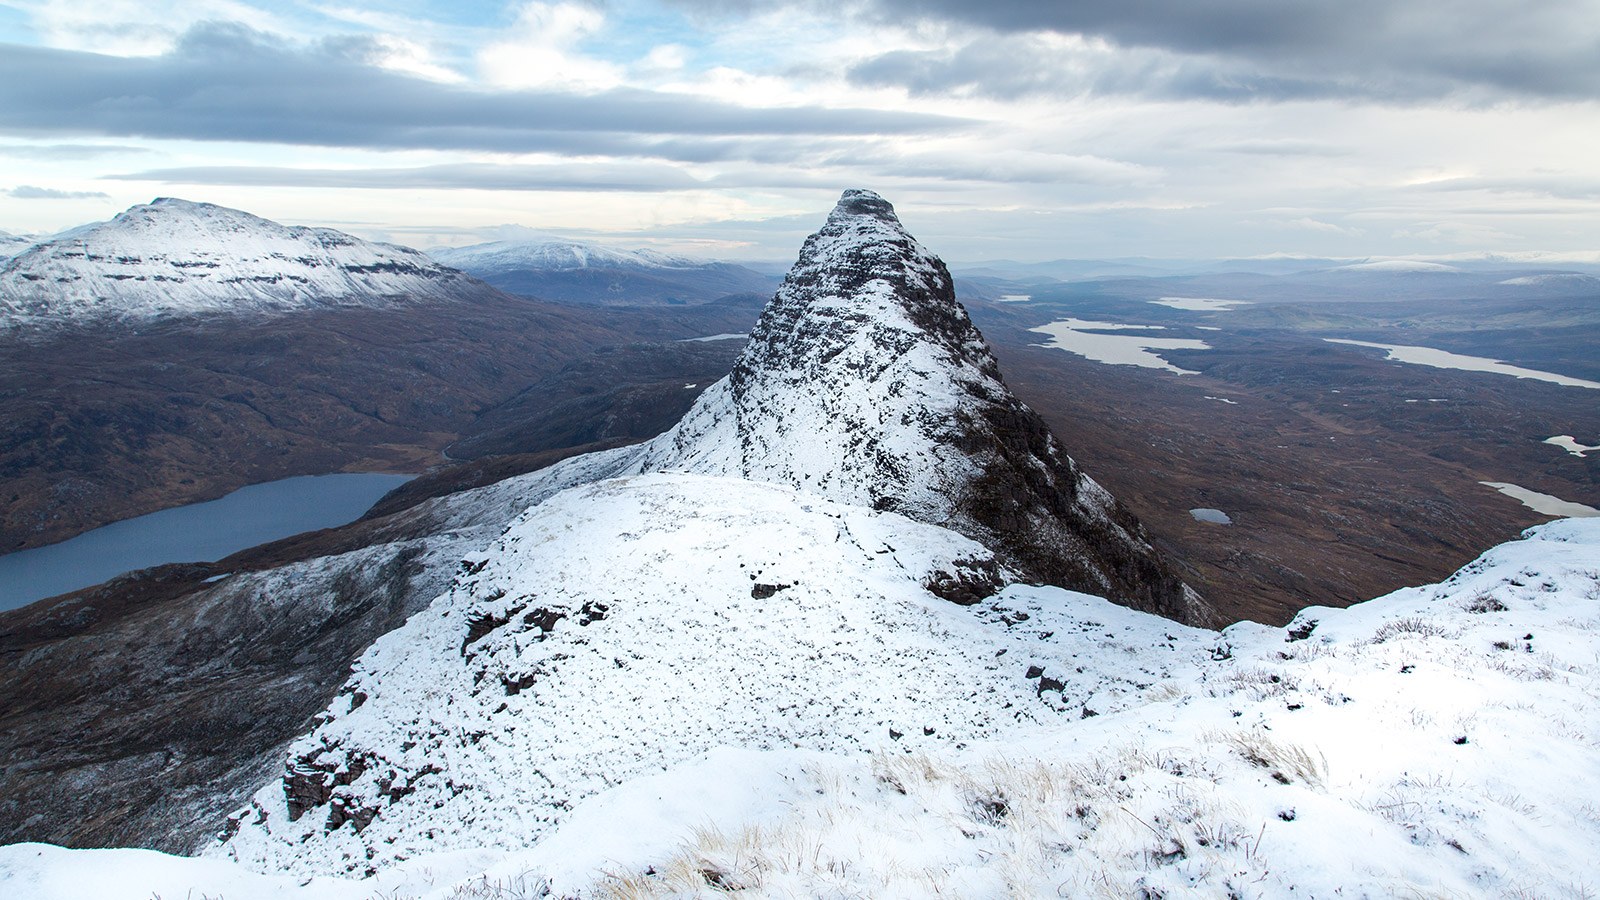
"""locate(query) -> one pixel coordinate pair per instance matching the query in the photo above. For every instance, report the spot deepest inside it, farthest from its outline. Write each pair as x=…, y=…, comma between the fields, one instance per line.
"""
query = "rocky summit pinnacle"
x=865, y=381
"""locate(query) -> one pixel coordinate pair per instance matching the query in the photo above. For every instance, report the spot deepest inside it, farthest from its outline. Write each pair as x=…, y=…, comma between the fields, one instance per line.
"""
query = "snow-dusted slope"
x=627, y=626
x=175, y=258
x=756, y=585
x=1440, y=741
x=866, y=382
x=12, y=244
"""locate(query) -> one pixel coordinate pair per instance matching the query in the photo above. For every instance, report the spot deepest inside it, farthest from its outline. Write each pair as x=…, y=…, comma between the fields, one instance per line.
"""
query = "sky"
x=1003, y=129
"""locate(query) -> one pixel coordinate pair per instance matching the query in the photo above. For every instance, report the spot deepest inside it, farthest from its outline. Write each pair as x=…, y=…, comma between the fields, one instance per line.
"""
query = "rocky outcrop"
x=866, y=382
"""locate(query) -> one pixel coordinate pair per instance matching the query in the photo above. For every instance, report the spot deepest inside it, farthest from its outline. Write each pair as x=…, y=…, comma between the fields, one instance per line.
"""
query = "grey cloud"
x=1556, y=187
x=67, y=151
x=29, y=192
x=224, y=82
x=1284, y=147
x=637, y=177
x=479, y=176
x=1013, y=66
x=1288, y=49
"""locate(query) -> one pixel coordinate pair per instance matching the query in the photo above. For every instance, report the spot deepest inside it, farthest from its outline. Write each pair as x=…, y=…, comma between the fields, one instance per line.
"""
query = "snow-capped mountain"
x=712, y=665
x=577, y=272
x=865, y=382
x=177, y=258
x=756, y=571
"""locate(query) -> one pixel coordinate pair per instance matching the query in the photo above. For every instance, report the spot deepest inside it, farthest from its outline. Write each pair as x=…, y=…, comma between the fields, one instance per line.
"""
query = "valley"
x=519, y=454
x=1342, y=478
x=1346, y=475
x=101, y=426
x=1272, y=470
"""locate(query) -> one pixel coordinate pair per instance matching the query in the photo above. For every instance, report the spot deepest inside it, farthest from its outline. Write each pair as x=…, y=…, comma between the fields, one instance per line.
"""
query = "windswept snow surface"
x=627, y=626
x=1442, y=740
x=12, y=244
x=174, y=257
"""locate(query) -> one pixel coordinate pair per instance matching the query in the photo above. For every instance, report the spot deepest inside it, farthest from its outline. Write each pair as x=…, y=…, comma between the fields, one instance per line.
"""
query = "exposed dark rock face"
x=865, y=381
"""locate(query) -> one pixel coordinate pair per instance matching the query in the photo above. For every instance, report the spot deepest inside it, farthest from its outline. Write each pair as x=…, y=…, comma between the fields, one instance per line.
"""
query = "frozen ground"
x=1440, y=741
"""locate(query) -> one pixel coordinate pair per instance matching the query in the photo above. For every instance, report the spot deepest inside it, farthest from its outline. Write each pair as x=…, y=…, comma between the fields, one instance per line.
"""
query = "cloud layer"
x=1247, y=49
x=1007, y=128
x=228, y=83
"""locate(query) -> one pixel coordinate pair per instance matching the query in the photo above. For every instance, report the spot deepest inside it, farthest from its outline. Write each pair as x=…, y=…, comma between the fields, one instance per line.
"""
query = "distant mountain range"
x=1281, y=266
x=575, y=272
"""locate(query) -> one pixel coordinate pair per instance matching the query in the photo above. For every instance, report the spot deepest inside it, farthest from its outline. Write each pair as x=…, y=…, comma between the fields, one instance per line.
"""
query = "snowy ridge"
x=174, y=257
x=12, y=244
x=1442, y=740
x=757, y=581
x=556, y=255
x=630, y=625
x=1553, y=279
x=865, y=382
x=1397, y=265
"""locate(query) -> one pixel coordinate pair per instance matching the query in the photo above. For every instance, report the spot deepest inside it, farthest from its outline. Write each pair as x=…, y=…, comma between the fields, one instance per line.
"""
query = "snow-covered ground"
x=1440, y=741
x=1397, y=265
x=627, y=626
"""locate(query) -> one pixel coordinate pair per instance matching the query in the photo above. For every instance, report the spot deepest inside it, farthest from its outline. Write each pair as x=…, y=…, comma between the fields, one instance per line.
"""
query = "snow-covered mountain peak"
x=176, y=257
x=866, y=382
x=861, y=202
